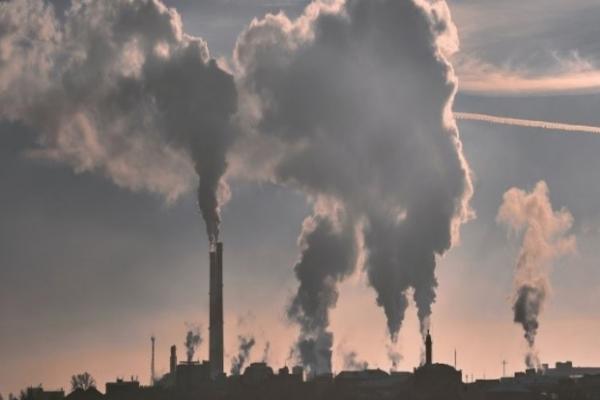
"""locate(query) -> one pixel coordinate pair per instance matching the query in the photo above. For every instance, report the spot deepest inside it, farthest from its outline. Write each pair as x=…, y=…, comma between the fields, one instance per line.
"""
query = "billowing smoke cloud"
x=545, y=237
x=116, y=87
x=328, y=254
x=245, y=346
x=352, y=363
x=193, y=340
x=353, y=100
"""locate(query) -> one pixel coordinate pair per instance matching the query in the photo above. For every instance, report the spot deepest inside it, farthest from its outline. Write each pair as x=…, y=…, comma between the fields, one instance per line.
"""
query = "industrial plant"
x=430, y=381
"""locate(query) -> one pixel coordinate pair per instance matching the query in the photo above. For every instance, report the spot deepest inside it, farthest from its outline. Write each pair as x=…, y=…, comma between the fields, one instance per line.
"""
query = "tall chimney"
x=428, y=349
x=216, y=310
x=173, y=360
x=152, y=373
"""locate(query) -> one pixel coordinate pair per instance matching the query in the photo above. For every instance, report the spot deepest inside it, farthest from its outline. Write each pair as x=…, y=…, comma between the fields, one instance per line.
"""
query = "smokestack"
x=152, y=375
x=216, y=310
x=428, y=349
x=173, y=360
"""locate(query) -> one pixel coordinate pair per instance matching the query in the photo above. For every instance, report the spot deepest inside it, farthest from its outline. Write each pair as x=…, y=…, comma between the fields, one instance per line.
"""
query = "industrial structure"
x=152, y=370
x=430, y=381
x=216, y=310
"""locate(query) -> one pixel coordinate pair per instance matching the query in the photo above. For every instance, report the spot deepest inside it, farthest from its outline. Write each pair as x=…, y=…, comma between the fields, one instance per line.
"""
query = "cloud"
x=570, y=76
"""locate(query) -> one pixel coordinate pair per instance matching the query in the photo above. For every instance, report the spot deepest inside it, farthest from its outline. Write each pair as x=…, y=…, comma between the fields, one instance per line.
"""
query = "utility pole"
x=504, y=368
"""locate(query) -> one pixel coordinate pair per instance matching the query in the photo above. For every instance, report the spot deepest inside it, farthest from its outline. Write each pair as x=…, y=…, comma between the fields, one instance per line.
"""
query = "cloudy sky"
x=89, y=270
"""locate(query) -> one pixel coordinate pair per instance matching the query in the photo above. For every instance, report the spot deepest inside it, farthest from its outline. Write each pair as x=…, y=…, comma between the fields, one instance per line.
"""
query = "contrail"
x=529, y=123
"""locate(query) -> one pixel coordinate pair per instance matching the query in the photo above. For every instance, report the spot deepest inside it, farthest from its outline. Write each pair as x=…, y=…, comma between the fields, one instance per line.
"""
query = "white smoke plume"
x=545, y=237
x=353, y=99
x=527, y=123
x=117, y=87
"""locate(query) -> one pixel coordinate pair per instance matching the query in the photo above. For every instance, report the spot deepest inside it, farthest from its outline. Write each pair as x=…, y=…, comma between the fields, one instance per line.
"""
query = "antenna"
x=152, y=375
x=454, y=358
x=503, y=368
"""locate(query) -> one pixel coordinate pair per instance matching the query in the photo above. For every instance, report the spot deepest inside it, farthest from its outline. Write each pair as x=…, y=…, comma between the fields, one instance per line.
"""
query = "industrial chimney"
x=173, y=360
x=152, y=372
x=428, y=349
x=216, y=310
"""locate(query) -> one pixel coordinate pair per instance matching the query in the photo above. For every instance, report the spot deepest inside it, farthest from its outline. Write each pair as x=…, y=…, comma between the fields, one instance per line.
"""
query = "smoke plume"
x=545, y=237
x=245, y=346
x=353, y=101
x=193, y=340
x=328, y=252
x=117, y=88
x=395, y=358
x=352, y=363
x=266, y=352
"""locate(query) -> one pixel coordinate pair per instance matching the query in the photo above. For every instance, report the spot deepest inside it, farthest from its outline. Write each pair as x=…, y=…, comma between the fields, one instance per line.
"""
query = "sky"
x=89, y=270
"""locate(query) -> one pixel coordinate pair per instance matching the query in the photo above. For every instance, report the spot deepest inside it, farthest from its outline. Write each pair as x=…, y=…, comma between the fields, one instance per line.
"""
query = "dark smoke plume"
x=355, y=102
x=328, y=256
x=546, y=237
x=352, y=363
x=116, y=87
x=193, y=340
x=245, y=346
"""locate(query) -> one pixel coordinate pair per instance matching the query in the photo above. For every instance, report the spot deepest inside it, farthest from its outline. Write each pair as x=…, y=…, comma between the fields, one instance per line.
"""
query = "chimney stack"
x=428, y=349
x=216, y=310
x=173, y=360
x=152, y=372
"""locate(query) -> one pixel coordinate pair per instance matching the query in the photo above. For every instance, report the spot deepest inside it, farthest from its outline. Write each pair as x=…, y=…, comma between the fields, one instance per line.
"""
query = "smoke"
x=395, y=358
x=266, y=352
x=352, y=363
x=351, y=104
x=245, y=346
x=328, y=253
x=193, y=340
x=545, y=237
x=528, y=123
x=119, y=89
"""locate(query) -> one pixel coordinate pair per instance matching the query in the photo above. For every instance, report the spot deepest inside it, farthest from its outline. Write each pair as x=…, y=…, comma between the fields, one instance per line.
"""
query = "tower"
x=173, y=360
x=216, y=310
x=152, y=374
x=428, y=349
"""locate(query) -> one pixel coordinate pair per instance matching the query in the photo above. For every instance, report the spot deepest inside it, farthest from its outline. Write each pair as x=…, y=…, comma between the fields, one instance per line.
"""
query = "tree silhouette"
x=82, y=381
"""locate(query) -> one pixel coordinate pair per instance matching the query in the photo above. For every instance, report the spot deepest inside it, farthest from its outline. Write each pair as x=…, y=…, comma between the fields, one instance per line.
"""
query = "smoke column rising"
x=193, y=340
x=324, y=243
x=117, y=88
x=353, y=101
x=245, y=346
x=545, y=237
